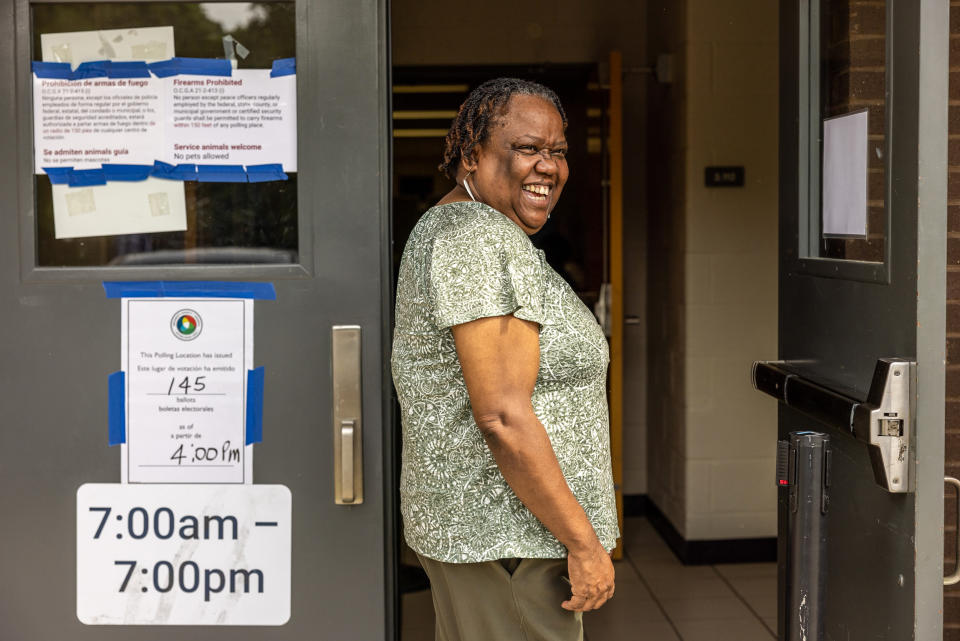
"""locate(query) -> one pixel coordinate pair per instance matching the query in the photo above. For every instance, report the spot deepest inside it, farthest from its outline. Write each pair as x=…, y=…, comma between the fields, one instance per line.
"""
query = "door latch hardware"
x=884, y=421
x=891, y=426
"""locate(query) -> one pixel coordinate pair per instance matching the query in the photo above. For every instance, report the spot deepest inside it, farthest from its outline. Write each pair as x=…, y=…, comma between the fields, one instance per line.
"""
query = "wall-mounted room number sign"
x=186, y=362
x=183, y=554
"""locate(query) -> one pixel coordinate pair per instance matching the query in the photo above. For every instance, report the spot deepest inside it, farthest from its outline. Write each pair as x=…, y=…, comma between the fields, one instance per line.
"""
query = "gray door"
x=322, y=238
x=847, y=301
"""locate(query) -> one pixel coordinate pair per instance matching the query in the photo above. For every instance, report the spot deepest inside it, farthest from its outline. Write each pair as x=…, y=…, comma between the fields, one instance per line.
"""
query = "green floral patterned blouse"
x=465, y=261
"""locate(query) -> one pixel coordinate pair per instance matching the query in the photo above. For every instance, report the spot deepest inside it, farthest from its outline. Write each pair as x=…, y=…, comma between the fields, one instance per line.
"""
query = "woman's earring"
x=467, y=187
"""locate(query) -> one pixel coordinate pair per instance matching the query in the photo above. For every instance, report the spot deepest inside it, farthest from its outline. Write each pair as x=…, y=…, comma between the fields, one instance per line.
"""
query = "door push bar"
x=883, y=421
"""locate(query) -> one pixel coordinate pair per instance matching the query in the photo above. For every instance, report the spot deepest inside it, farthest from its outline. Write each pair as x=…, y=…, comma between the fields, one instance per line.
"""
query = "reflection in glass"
x=853, y=77
x=232, y=223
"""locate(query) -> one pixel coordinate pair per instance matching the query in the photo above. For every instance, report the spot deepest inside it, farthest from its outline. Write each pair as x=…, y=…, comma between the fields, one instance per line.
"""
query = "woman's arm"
x=500, y=358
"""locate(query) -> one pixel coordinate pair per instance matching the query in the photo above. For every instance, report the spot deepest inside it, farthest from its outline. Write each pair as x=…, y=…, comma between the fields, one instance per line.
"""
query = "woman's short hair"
x=480, y=111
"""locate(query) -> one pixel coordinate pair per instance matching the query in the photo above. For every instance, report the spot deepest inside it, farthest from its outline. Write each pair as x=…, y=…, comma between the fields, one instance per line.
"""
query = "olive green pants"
x=505, y=600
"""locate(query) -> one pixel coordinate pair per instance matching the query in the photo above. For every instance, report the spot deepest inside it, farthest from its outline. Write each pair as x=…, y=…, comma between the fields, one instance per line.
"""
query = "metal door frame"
x=315, y=62
x=918, y=47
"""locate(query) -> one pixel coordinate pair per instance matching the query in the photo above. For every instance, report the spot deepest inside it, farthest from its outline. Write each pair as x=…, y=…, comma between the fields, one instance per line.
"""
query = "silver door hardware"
x=346, y=460
x=955, y=577
x=347, y=407
x=884, y=421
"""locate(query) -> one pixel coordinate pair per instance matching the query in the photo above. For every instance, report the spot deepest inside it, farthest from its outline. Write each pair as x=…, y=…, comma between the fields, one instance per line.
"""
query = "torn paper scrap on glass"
x=149, y=206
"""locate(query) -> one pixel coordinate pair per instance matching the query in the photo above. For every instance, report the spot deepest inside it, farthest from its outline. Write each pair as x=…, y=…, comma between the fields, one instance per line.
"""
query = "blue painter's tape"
x=116, y=409
x=58, y=175
x=205, y=66
x=126, y=173
x=164, y=68
x=255, y=405
x=173, y=172
x=192, y=67
x=185, y=171
x=51, y=70
x=283, y=67
x=128, y=69
x=92, y=69
x=264, y=173
x=159, y=169
x=162, y=170
x=86, y=177
x=188, y=289
x=221, y=174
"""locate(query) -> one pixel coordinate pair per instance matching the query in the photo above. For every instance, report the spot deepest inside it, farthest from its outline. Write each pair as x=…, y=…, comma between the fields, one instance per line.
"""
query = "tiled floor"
x=660, y=599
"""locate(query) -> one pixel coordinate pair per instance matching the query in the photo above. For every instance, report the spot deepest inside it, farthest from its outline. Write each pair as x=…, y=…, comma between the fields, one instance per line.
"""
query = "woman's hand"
x=591, y=579
x=500, y=358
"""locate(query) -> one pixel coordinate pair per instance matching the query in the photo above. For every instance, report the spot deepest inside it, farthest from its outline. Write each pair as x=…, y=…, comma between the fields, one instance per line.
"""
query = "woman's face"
x=521, y=168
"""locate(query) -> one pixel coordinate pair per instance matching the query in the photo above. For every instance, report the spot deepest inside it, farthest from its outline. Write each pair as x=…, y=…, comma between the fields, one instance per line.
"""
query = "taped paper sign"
x=248, y=118
x=148, y=44
x=84, y=123
x=186, y=363
x=119, y=208
x=183, y=554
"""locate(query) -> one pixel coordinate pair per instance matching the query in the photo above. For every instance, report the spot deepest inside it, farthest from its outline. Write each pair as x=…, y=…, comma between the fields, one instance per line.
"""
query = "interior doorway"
x=699, y=263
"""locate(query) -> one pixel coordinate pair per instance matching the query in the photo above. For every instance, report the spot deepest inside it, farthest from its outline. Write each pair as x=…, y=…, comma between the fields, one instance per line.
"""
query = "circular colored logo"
x=186, y=324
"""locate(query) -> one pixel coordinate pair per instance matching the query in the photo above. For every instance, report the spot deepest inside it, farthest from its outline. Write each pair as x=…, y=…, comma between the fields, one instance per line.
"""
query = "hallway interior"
x=660, y=599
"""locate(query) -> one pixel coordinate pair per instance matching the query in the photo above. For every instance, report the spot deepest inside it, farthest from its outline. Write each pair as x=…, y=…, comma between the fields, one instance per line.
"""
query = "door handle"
x=347, y=418
x=346, y=460
x=955, y=577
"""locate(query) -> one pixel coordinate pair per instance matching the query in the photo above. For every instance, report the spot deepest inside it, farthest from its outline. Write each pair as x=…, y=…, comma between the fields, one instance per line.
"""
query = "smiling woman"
x=506, y=488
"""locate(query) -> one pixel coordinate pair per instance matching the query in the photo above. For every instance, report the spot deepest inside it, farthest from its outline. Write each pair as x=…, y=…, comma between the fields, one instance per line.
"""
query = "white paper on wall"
x=844, y=175
x=153, y=205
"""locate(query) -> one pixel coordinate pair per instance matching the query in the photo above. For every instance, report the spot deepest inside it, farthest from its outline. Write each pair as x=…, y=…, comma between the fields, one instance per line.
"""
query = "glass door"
x=183, y=141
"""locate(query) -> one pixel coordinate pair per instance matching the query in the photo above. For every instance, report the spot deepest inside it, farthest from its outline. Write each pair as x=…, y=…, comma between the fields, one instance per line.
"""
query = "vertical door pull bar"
x=347, y=419
x=955, y=577
x=346, y=460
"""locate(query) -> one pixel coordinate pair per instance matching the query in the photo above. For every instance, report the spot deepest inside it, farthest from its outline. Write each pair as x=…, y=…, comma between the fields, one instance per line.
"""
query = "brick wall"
x=853, y=51
x=951, y=595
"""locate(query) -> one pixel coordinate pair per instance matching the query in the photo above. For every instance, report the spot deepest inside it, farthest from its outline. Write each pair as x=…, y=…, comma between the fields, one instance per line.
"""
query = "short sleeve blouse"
x=465, y=261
